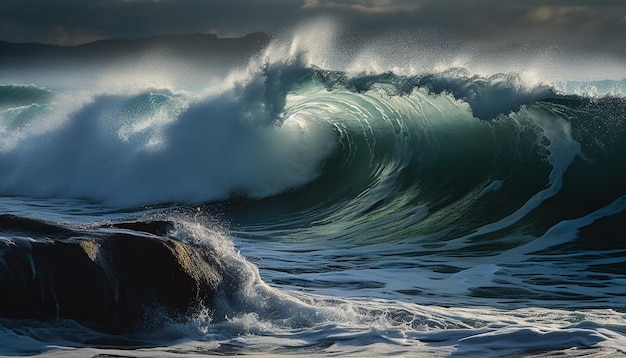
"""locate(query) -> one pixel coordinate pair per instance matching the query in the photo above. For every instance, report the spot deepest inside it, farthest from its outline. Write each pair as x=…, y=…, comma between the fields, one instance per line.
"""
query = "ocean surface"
x=368, y=206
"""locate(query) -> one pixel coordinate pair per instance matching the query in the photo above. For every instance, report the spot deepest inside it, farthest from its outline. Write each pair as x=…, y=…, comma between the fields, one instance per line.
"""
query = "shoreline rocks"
x=107, y=282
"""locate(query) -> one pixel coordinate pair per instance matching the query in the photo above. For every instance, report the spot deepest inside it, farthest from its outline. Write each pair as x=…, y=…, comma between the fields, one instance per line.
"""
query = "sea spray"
x=427, y=201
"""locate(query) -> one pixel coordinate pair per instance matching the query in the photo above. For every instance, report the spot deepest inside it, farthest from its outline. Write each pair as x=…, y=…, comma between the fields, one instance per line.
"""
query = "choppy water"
x=439, y=213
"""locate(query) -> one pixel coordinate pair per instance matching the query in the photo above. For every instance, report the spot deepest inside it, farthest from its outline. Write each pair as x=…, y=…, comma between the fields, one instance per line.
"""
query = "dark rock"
x=13, y=224
x=157, y=227
x=107, y=283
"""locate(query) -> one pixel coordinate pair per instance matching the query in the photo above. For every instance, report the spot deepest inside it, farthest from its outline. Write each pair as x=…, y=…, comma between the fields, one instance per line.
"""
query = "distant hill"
x=195, y=46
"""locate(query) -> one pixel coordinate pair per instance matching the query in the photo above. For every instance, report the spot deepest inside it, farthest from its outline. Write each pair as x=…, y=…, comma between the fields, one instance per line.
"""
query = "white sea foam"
x=377, y=271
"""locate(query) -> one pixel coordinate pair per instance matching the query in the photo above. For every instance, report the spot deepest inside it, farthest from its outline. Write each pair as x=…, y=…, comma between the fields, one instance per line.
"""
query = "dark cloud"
x=486, y=23
x=74, y=21
x=494, y=22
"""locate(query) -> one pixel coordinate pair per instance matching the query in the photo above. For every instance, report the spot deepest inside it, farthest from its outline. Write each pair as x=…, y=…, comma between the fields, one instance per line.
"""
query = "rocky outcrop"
x=109, y=282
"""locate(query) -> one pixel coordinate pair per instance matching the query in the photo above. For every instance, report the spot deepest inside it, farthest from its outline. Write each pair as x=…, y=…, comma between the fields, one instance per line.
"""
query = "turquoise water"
x=438, y=213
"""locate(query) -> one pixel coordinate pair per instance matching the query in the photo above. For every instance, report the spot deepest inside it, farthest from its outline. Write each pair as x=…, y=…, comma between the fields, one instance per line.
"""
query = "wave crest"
x=273, y=127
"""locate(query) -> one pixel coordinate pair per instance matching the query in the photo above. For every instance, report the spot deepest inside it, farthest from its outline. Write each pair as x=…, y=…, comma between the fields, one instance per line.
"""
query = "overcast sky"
x=599, y=24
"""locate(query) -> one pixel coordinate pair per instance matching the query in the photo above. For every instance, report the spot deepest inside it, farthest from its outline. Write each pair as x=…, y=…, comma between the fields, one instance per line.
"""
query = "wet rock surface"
x=109, y=282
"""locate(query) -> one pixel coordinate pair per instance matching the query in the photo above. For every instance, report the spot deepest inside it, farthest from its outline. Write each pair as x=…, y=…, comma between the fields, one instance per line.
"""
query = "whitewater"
x=392, y=199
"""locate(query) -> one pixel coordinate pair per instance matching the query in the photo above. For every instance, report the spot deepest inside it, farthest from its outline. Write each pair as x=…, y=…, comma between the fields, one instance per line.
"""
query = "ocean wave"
x=335, y=206
x=319, y=138
x=244, y=309
x=19, y=95
x=274, y=131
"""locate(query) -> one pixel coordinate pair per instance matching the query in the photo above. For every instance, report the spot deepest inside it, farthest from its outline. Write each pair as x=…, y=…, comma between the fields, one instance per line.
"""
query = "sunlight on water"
x=397, y=197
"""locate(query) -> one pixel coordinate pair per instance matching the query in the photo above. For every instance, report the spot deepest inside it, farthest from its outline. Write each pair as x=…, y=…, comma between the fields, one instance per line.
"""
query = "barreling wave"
x=414, y=152
x=354, y=196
